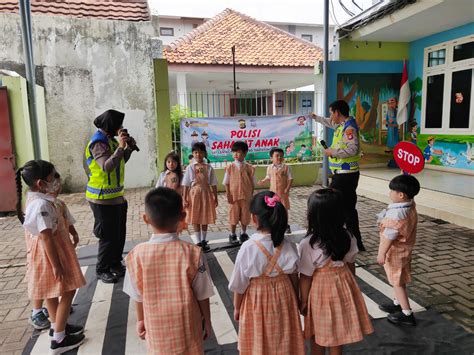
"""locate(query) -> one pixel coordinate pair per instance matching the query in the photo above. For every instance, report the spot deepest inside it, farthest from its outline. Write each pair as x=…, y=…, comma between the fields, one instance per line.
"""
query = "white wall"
x=86, y=67
x=181, y=27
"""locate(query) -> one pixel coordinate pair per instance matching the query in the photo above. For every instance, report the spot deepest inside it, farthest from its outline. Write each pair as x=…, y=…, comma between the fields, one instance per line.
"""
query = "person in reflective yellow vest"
x=105, y=159
x=344, y=157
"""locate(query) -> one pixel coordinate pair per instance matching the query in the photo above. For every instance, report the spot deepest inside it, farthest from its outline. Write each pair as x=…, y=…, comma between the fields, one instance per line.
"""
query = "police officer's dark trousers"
x=347, y=184
x=110, y=227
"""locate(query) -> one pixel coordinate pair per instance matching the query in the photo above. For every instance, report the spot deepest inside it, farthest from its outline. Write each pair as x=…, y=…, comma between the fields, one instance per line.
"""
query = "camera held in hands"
x=129, y=139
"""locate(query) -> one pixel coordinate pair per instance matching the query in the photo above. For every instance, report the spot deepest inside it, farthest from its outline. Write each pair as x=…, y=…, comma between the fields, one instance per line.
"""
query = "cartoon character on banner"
x=429, y=151
x=204, y=139
x=391, y=123
x=194, y=137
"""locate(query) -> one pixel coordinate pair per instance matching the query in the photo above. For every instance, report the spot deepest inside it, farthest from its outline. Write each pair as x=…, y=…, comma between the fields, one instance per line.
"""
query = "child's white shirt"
x=251, y=262
x=161, y=179
x=40, y=213
x=189, y=176
x=397, y=212
x=202, y=284
x=312, y=258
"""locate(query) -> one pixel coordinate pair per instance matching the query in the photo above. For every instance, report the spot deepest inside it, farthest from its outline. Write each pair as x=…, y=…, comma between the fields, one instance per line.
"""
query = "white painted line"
x=133, y=344
x=96, y=323
x=218, y=241
x=386, y=289
x=373, y=308
x=221, y=323
x=43, y=344
x=225, y=262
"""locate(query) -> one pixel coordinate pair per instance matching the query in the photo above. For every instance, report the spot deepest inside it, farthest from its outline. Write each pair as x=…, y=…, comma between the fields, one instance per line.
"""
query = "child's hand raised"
x=141, y=331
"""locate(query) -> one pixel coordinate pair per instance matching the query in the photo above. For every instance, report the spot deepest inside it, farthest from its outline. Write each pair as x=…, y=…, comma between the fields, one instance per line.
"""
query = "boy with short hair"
x=397, y=239
x=239, y=181
x=168, y=279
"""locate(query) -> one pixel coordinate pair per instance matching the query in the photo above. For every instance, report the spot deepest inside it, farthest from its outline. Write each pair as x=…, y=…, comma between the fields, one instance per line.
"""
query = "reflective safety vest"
x=104, y=185
x=349, y=163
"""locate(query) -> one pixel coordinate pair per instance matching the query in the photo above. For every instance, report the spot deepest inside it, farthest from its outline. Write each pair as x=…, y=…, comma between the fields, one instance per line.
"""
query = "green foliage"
x=178, y=112
x=416, y=85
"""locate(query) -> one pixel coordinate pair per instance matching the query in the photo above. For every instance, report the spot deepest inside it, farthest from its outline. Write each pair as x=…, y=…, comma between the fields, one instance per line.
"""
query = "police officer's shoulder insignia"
x=202, y=268
x=350, y=133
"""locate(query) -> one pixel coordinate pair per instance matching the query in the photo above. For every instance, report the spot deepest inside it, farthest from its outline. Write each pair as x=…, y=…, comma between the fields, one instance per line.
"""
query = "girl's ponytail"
x=19, y=211
x=279, y=223
x=271, y=215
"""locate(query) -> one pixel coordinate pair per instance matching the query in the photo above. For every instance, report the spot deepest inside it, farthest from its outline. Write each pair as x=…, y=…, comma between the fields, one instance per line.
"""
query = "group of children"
x=273, y=280
x=198, y=186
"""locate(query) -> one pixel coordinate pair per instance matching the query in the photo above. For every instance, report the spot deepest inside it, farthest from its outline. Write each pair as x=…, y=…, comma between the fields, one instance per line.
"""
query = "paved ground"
x=443, y=264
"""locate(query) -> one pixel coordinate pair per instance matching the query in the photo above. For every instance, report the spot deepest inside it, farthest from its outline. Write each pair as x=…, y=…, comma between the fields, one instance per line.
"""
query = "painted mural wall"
x=371, y=89
x=447, y=150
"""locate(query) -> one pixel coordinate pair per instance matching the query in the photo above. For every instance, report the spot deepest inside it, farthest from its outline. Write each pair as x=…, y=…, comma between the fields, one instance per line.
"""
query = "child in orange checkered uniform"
x=280, y=177
x=169, y=281
x=239, y=181
x=397, y=239
x=200, y=195
x=331, y=301
x=265, y=283
x=53, y=271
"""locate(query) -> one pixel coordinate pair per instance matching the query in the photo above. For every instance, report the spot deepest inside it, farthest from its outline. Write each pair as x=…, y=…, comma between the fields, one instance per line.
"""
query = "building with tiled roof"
x=268, y=61
x=257, y=44
x=126, y=10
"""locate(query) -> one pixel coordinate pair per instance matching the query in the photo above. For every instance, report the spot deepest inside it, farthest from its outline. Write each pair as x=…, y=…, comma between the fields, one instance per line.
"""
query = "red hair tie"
x=272, y=201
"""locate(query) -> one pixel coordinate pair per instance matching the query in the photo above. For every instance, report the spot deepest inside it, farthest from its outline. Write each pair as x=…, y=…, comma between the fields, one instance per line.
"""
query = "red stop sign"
x=409, y=157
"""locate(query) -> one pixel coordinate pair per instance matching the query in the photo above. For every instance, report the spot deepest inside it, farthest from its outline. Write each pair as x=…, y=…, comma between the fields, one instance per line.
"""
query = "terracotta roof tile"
x=257, y=44
x=128, y=10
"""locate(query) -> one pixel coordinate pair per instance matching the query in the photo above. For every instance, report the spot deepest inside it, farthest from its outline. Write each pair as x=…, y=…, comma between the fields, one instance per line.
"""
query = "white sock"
x=203, y=235
x=196, y=237
x=407, y=312
x=35, y=311
x=59, y=337
x=395, y=302
x=52, y=325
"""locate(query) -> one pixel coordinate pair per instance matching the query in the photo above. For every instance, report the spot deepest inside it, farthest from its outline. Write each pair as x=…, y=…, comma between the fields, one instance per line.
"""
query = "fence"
x=256, y=103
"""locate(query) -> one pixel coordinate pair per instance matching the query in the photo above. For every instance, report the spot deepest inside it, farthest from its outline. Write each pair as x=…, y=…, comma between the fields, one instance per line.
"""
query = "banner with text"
x=293, y=134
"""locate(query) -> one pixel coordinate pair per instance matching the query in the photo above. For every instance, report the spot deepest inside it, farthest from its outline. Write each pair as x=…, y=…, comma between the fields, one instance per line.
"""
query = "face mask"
x=53, y=186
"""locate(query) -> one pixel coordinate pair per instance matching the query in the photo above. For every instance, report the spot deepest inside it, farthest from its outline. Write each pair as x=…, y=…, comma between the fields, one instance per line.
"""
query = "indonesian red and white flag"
x=404, y=98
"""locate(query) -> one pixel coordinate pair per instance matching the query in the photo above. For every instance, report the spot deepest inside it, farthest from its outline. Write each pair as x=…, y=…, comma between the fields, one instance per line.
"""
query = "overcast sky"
x=293, y=11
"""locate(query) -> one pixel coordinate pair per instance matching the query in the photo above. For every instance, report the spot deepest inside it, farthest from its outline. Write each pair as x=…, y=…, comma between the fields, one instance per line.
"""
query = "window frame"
x=307, y=35
x=447, y=70
x=166, y=29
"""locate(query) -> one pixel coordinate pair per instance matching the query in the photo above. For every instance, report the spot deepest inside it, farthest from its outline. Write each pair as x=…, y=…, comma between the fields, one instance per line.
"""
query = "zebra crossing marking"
x=133, y=344
x=384, y=288
x=221, y=323
x=96, y=323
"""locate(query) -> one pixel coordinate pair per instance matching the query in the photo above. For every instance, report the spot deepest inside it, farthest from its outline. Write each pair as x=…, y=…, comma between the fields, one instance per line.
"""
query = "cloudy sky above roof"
x=300, y=11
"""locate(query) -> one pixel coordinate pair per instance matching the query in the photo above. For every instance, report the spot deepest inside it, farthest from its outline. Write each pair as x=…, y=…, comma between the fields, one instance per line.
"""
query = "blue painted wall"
x=415, y=64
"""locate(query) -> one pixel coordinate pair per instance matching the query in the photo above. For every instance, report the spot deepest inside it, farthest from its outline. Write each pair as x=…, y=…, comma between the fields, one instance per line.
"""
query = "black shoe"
x=400, y=318
x=390, y=307
x=233, y=239
x=288, y=230
x=204, y=246
x=360, y=246
x=70, y=329
x=118, y=271
x=69, y=342
x=199, y=244
x=107, y=277
x=243, y=237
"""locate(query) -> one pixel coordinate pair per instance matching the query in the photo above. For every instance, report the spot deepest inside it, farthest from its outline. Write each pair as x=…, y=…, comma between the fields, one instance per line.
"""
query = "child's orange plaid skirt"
x=337, y=314
x=269, y=318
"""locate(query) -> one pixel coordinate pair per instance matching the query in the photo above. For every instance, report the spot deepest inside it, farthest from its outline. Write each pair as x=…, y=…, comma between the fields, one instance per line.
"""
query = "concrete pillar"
x=274, y=101
x=163, y=119
x=181, y=89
